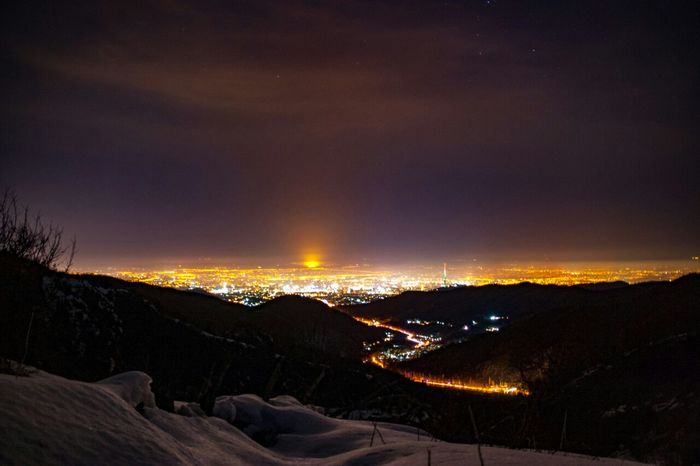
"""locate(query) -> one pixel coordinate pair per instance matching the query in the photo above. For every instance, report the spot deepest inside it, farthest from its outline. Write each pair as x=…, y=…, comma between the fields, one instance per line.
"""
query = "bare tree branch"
x=28, y=237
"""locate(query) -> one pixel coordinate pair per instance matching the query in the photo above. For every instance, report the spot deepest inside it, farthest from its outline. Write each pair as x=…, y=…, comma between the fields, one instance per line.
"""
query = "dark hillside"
x=590, y=326
x=460, y=305
x=623, y=365
x=313, y=324
x=288, y=321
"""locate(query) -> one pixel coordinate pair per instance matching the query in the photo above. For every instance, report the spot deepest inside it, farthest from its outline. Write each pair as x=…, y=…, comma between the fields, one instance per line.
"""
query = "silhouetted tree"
x=25, y=235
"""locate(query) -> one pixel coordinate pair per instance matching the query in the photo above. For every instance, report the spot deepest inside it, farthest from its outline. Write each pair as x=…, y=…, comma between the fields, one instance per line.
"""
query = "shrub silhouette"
x=25, y=235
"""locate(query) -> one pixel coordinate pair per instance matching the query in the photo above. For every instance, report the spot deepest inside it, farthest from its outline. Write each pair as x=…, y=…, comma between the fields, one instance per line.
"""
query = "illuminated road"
x=410, y=336
x=502, y=389
x=454, y=384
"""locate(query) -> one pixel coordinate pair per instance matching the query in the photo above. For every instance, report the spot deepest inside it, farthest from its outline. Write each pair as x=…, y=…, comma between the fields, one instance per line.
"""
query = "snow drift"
x=47, y=419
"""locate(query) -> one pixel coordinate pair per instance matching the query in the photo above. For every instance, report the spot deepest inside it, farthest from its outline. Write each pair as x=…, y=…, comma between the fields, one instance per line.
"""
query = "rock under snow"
x=188, y=409
x=133, y=387
x=225, y=408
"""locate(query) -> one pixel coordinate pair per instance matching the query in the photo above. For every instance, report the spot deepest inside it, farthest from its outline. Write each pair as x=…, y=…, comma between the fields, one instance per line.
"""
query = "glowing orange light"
x=312, y=264
x=311, y=260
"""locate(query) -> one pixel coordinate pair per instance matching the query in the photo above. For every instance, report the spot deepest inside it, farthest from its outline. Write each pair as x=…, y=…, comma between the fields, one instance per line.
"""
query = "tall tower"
x=444, y=274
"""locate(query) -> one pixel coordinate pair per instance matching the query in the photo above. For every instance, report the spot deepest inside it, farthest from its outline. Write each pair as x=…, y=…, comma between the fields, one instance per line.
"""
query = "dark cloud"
x=389, y=130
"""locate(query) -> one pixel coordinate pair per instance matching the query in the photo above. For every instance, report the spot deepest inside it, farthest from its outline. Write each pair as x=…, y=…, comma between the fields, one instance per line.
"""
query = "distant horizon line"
x=233, y=263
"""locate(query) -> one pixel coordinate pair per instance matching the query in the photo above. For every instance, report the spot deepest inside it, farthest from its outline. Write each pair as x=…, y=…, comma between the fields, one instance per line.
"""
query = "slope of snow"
x=47, y=419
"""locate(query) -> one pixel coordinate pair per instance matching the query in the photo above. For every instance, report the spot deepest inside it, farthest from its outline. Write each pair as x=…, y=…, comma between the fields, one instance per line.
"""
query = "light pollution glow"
x=313, y=278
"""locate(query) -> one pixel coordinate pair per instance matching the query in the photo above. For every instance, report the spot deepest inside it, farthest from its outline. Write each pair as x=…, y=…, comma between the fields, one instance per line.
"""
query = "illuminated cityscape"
x=357, y=284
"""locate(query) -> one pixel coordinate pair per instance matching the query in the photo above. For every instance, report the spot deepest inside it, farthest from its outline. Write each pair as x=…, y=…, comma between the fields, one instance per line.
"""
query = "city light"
x=347, y=285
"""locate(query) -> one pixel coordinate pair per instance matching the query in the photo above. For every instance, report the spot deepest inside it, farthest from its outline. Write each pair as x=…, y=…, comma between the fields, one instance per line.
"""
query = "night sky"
x=382, y=131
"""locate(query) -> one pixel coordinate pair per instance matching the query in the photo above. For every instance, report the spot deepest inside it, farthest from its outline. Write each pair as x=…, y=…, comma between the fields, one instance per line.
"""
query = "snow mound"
x=133, y=387
x=51, y=420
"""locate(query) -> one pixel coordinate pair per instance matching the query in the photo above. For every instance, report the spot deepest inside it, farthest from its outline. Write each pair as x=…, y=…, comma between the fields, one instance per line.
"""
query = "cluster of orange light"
x=377, y=362
x=502, y=388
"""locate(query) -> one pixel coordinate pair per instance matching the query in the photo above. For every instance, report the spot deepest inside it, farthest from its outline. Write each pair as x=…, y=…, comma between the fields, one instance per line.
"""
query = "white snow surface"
x=45, y=419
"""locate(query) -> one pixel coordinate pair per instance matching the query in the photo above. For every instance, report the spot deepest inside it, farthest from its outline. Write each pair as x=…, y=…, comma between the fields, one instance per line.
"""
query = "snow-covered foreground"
x=45, y=419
